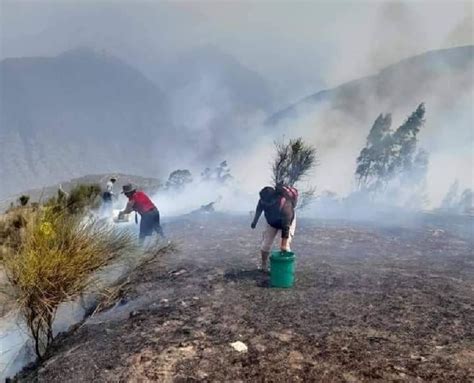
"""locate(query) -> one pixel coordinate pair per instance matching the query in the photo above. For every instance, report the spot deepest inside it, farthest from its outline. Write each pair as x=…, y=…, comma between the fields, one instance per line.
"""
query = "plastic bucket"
x=282, y=269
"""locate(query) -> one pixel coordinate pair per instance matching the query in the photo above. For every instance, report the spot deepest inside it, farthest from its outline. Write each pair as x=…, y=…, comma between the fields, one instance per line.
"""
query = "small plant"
x=293, y=160
x=23, y=200
x=54, y=264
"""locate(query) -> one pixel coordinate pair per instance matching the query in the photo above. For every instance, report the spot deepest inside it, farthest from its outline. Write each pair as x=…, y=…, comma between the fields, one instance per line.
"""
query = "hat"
x=128, y=188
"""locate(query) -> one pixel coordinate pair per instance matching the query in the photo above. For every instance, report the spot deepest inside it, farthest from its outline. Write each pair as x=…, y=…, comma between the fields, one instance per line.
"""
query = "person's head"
x=128, y=190
x=267, y=194
x=113, y=180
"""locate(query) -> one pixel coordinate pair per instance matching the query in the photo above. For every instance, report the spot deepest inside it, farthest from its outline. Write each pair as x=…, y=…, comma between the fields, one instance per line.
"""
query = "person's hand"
x=253, y=225
x=284, y=245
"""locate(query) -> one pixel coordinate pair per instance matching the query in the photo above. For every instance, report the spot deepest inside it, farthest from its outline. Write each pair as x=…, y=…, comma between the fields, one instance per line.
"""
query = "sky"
x=299, y=47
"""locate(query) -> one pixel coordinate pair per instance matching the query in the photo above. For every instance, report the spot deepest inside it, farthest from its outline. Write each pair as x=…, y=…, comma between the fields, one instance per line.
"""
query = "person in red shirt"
x=150, y=216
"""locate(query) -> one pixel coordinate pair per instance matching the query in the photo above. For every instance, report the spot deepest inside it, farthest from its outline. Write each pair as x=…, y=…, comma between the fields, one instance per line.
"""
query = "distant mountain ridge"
x=386, y=85
x=75, y=113
x=85, y=111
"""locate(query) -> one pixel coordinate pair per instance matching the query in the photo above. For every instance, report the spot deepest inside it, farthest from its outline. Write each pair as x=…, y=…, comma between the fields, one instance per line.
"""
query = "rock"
x=239, y=346
x=260, y=347
x=418, y=357
x=134, y=313
x=177, y=273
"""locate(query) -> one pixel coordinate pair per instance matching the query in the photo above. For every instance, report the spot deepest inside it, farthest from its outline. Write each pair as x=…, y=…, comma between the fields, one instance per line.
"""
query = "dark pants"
x=107, y=197
x=150, y=222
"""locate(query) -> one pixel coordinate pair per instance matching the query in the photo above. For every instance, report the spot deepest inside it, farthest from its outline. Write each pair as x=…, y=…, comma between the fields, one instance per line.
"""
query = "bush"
x=54, y=264
x=291, y=164
x=79, y=199
x=83, y=196
x=179, y=179
x=293, y=161
x=11, y=227
x=23, y=200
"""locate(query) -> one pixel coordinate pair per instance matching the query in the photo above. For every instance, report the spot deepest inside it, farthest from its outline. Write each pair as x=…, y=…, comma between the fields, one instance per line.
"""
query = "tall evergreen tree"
x=404, y=142
x=393, y=155
x=373, y=159
x=452, y=196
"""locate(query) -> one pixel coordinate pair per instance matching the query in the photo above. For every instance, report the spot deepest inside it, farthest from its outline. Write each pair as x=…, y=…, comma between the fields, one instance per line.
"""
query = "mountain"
x=394, y=87
x=86, y=111
x=215, y=97
x=338, y=120
x=73, y=114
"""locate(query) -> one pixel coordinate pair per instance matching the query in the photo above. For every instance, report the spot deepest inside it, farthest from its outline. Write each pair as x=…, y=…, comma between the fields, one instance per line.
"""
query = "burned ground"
x=370, y=304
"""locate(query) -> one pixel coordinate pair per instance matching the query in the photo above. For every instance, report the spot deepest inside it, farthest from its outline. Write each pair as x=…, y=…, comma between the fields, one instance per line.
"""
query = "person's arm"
x=287, y=216
x=258, y=213
x=128, y=209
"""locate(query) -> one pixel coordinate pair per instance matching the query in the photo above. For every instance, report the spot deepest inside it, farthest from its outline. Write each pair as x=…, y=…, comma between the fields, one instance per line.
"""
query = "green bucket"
x=282, y=269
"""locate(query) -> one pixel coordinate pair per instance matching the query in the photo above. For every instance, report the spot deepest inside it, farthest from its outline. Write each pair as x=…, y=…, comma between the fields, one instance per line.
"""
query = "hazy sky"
x=298, y=47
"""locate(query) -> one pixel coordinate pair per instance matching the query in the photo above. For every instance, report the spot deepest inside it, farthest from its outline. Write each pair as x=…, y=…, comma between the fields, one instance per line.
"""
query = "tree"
x=220, y=173
x=465, y=202
x=389, y=155
x=178, y=179
x=223, y=172
x=293, y=161
x=373, y=160
x=405, y=140
x=452, y=196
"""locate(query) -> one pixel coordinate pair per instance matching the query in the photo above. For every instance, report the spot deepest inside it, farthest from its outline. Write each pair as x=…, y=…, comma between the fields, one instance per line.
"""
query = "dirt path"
x=370, y=304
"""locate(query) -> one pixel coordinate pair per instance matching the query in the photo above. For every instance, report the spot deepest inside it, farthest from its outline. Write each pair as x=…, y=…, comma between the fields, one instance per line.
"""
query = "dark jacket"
x=279, y=218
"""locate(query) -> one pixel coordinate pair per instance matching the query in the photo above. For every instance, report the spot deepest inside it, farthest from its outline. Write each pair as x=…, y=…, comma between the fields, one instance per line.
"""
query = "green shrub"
x=54, y=264
x=83, y=196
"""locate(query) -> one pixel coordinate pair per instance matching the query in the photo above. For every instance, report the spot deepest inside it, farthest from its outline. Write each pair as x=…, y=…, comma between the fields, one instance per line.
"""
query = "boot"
x=264, y=266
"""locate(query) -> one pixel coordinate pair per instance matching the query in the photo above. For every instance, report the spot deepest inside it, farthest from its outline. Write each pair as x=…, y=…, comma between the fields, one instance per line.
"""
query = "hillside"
x=370, y=303
x=338, y=120
x=74, y=114
x=218, y=100
x=88, y=112
x=394, y=87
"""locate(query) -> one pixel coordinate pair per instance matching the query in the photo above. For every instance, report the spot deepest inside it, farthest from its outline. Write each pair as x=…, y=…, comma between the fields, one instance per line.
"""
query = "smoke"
x=280, y=52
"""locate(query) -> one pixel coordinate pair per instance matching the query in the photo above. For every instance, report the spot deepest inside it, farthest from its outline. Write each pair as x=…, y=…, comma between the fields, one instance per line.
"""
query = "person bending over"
x=139, y=202
x=278, y=204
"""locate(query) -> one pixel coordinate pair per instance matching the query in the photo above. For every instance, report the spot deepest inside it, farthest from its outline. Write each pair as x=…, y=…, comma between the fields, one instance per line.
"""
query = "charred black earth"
x=371, y=303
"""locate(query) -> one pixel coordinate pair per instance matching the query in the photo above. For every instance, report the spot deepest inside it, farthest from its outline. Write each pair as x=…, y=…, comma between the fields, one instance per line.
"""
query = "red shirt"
x=140, y=202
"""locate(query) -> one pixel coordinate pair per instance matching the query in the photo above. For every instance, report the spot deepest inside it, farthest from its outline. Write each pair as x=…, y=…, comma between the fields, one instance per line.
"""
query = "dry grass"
x=12, y=226
x=54, y=262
